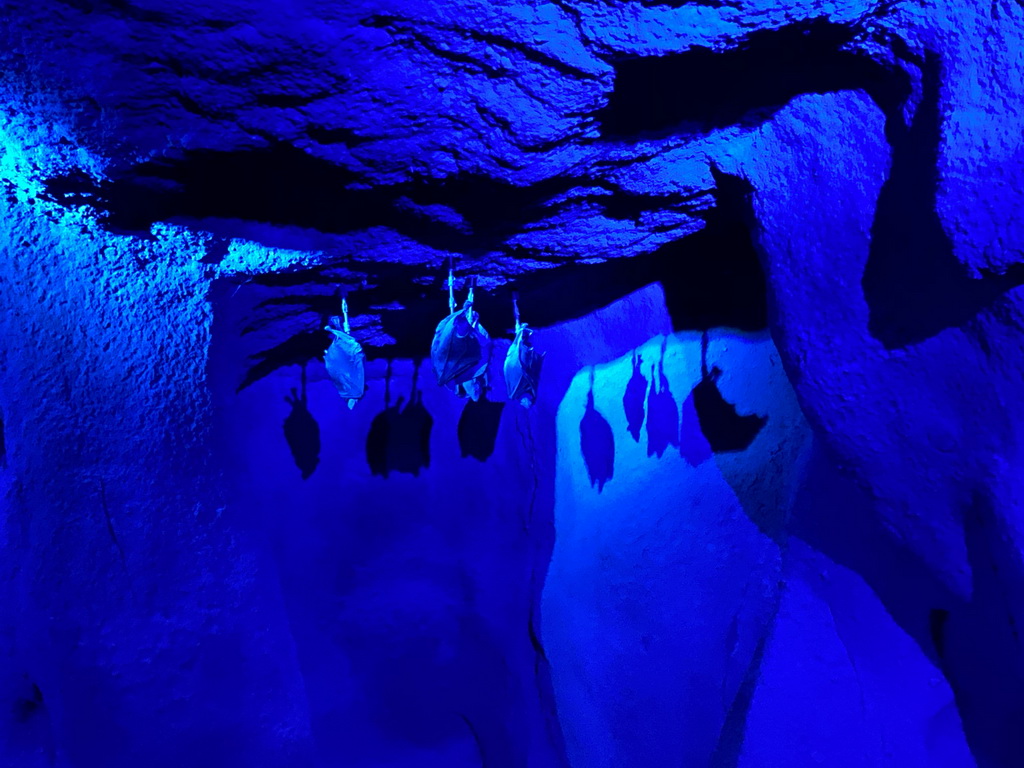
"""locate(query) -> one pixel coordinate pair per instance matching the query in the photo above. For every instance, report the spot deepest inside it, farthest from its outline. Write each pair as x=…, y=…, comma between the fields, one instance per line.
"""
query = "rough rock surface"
x=168, y=164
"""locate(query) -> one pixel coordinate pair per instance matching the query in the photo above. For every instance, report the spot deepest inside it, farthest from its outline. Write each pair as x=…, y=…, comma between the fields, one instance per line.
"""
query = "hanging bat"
x=345, y=362
x=522, y=368
x=460, y=352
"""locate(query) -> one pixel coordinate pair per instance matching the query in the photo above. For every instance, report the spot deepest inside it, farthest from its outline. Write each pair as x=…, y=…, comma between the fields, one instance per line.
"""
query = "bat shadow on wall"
x=302, y=432
x=597, y=442
x=399, y=436
x=478, y=428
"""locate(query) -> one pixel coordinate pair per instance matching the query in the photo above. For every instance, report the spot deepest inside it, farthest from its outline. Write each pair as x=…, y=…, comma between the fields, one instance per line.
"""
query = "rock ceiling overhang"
x=365, y=146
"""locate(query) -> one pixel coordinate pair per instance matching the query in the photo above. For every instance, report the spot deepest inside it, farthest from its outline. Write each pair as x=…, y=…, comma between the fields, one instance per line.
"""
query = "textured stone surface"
x=514, y=138
x=168, y=164
x=125, y=599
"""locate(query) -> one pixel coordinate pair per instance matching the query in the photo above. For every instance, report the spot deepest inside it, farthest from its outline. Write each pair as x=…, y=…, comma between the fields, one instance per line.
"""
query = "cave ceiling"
x=568, y=150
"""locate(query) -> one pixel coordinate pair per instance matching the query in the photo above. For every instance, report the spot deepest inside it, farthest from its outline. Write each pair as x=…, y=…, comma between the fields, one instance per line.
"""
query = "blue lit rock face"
x=628, y=595
x=765, y=512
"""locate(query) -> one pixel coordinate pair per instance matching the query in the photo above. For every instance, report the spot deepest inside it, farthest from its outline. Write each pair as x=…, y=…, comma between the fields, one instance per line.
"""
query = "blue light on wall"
x=764, y=507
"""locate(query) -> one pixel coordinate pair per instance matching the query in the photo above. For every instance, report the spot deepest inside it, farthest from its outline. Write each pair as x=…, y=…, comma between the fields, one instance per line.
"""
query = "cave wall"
x=642, y=595
x=130, y=629
x=185, y=189
x=410, y=537
x=691, y=616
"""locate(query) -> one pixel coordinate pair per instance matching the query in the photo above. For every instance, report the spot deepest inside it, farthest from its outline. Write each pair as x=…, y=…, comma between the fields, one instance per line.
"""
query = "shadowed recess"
x=294, y=350
x=913, y=284
x=712, y=278
x=394, y=313
x=988, y=686
x=700, y=90
x=284, y=186
x=937, y=618
x=729, y=746
x=853, y=536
